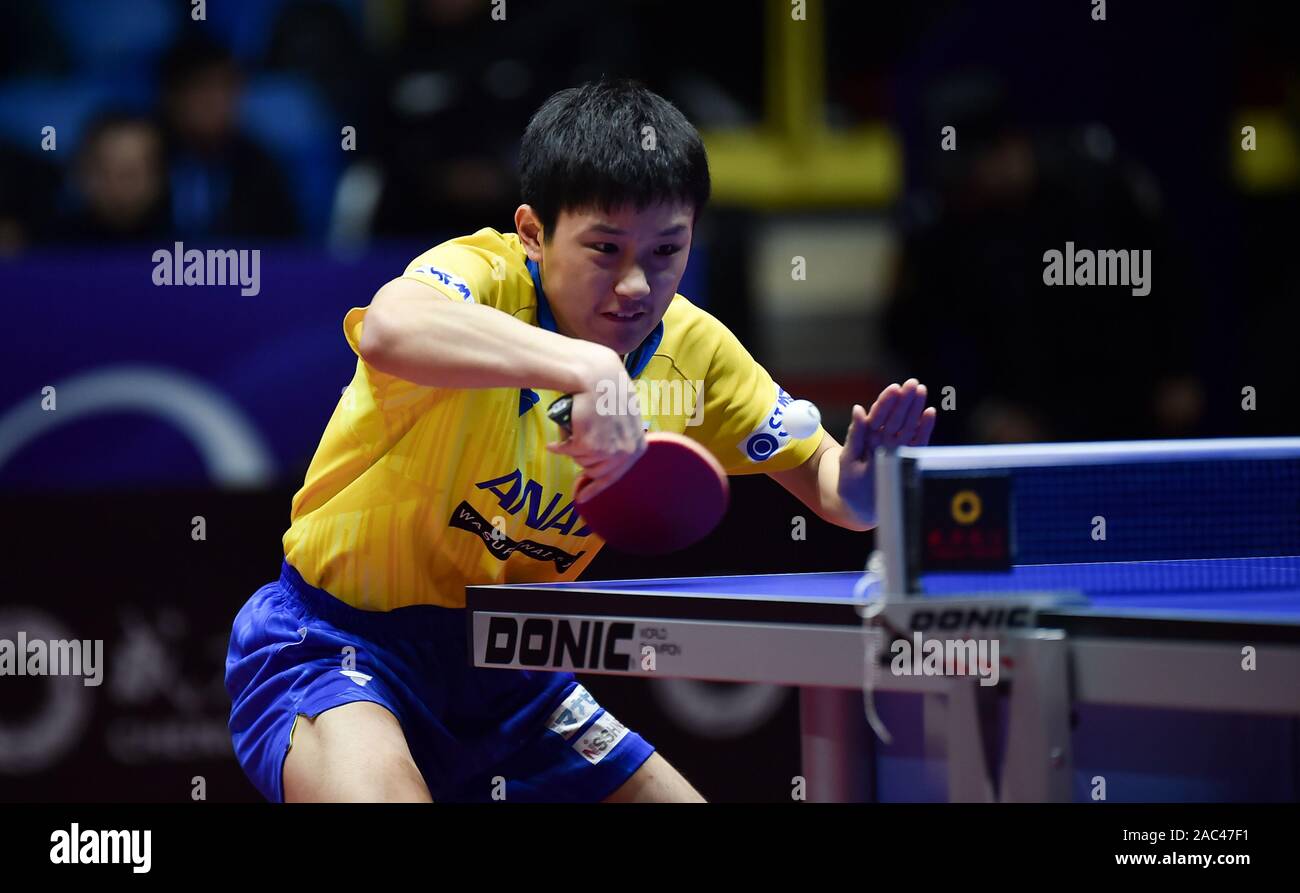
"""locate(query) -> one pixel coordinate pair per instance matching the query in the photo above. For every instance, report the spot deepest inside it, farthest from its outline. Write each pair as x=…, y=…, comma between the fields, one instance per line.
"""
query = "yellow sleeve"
x=472, y=269
x=380, y=407
x=465, y=269
x=468, y=269
x=742, y=413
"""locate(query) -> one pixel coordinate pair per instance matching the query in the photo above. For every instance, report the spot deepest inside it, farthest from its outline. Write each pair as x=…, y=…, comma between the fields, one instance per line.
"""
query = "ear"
x=529, y=228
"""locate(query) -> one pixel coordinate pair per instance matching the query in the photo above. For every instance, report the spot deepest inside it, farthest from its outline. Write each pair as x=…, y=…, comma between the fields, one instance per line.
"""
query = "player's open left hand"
x=899, y=417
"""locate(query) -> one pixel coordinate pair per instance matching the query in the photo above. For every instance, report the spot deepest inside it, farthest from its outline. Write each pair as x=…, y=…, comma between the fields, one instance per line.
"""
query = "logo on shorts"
x=573, y=713
x=358, y=677
x=601, y=738
x=449, y=279
x=768, y=439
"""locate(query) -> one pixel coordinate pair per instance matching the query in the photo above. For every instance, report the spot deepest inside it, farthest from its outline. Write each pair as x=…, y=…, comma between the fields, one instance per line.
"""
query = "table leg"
x=960, y=728
x=1038, y=766
x=836, y=745
x=965, y=744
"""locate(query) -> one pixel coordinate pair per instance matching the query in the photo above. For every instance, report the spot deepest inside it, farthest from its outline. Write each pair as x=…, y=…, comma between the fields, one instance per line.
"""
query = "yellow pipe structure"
x=794, y=160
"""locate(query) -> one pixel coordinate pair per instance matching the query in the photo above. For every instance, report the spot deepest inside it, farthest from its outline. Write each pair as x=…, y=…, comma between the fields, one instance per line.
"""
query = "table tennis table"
x=1217, y=634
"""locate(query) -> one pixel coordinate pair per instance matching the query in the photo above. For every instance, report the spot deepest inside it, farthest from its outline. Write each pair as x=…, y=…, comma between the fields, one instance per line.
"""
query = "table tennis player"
x=440, y=469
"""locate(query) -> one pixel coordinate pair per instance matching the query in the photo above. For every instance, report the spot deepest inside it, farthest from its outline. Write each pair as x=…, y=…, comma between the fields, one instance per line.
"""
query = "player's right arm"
x=422, y=338
x=438, y=343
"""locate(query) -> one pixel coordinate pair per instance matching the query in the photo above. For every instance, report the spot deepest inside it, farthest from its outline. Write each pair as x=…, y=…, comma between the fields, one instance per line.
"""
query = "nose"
x=632, y=284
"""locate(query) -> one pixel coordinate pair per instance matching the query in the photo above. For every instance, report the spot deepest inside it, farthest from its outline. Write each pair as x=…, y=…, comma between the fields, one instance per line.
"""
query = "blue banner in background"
x=178, y=385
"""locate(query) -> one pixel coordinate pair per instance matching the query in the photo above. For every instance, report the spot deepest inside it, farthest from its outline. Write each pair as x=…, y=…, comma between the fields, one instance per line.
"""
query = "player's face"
x=610, y=275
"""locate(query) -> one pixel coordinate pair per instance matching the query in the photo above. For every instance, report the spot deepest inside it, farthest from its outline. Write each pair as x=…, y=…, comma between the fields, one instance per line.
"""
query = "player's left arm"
x=837, y=481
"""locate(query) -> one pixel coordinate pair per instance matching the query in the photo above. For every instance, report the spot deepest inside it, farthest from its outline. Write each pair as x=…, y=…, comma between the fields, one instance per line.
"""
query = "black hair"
x=587, y=147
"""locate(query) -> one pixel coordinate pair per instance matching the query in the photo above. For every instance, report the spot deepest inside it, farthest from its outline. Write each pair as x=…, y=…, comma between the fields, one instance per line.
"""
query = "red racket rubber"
x=671, y=497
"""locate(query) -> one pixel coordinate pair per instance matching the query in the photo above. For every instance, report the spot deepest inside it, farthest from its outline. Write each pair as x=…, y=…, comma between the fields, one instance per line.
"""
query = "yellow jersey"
x=416, y=492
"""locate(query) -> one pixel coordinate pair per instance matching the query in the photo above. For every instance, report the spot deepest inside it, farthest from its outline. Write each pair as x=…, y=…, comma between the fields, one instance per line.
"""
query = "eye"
x=604, y=247
x=667, y=250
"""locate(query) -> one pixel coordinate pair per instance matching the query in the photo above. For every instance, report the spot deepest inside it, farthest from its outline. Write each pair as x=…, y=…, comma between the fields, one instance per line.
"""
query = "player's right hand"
x=607, y=433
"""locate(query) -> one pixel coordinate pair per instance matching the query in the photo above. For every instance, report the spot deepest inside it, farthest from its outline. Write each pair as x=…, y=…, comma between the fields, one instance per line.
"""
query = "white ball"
x=801, y=419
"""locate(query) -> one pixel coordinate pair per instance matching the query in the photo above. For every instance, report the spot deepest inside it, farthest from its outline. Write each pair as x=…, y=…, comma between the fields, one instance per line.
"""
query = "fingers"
x=914, y=409
x=600, y=467
x=899, y=417
x=896, y=407
x=891, y=407
x=593, y=488
x=924, y=427
x=590, y=458
x=608, y=474
x=855, y=440
x=881, y=409
x=902, y=408
x=574, y=450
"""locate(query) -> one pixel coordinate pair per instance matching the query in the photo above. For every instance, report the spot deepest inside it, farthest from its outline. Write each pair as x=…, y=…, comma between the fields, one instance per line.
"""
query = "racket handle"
x=560, y=412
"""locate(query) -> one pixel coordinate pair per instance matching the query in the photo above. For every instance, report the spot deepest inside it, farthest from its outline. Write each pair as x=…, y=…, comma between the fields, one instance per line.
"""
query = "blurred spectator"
x=222, y=183
x=319, y=40
x=971, y=310
x=460, y=90
x=121, y=181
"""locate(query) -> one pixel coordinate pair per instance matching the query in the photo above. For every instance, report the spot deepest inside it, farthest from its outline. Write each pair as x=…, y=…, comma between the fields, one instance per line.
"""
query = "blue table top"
x=1257, y=588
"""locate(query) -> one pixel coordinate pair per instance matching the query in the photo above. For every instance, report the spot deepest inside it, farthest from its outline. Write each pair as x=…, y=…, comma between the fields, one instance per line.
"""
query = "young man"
x=439, y=469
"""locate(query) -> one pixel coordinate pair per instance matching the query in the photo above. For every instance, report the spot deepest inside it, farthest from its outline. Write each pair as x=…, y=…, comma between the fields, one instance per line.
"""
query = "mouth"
x=621, y=317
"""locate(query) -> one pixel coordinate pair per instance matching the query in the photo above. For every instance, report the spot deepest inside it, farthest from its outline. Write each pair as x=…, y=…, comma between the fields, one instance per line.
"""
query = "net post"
x=890, y=540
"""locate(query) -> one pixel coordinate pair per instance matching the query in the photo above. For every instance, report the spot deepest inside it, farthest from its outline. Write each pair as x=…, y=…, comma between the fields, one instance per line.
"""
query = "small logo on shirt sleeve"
x=449, y=279
x=769, y=438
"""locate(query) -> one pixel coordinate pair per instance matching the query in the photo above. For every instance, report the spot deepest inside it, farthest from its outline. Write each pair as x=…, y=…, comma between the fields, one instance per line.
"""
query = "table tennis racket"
x=672, y=496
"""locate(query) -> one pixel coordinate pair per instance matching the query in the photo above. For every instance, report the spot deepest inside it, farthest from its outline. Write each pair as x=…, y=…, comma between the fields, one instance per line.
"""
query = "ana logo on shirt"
x=514, y=494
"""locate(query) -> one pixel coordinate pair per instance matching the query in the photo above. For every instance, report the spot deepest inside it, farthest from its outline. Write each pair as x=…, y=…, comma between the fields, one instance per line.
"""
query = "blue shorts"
x=476, y=734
